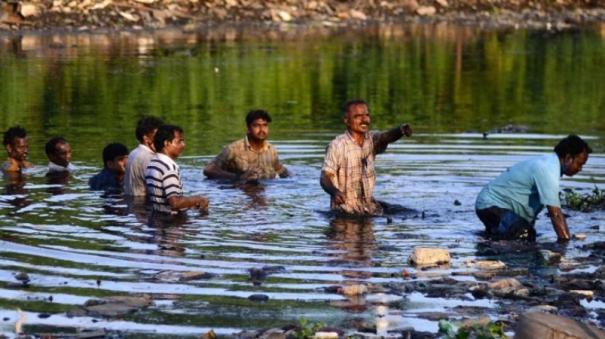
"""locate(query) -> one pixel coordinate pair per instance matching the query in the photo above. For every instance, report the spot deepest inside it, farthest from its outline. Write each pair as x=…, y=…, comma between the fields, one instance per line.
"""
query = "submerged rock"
x=113, y=306
x=486, y=264
x=543, y=325
x=259, y=297
x=425, y=256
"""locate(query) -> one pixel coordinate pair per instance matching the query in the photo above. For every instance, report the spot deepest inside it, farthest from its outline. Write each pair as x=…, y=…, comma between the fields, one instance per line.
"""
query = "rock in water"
x=533, y=325
x=425, y=256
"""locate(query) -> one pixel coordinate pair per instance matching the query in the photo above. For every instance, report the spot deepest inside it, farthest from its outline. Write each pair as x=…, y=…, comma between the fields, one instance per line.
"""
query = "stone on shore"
x=425, y=256
x=28, y=10
x=533, y=325
x=114, y=306
x=426, y=10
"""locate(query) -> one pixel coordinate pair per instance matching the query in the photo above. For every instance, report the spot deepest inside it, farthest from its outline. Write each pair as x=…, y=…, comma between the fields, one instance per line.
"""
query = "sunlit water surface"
x=76, y=244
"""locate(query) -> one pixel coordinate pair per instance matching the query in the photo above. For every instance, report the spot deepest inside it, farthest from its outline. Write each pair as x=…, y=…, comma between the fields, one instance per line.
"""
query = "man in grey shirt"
x=134, y=179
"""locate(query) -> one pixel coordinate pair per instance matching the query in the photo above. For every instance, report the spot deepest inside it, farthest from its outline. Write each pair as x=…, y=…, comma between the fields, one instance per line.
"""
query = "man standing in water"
x=348, y=174
x=134, y=179
x=509, y=204
x=58, y=151
x=251, y=158
x=163, y=175
x=15, y=142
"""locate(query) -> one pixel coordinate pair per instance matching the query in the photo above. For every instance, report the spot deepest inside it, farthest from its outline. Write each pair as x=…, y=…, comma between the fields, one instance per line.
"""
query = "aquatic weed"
x=583, y=202
x=491, y=330
x=306, y=329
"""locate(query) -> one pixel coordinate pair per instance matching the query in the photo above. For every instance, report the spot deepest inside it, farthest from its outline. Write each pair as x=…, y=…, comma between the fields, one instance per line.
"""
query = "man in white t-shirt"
x=134, y=179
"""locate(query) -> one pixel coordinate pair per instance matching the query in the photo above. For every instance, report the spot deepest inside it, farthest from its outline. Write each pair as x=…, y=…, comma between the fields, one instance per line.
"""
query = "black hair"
x=112, y=151
x=145, y=125
x=572, y=145
x=13, y=133
x=51, y=146
x=347, y=105
x=165, y=133
x=257, y=114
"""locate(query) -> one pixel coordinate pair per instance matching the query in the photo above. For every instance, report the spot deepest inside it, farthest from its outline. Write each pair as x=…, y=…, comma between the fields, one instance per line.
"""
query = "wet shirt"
x=163, y=178
x=105, y=180
x=134, y=179
x=353, y=168
x=239, y=157
x=54, y=168
x=525, y=188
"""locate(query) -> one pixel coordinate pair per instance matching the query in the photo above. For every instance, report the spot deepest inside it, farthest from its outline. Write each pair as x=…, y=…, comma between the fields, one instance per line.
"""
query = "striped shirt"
x=163, y=179
x=353, y=169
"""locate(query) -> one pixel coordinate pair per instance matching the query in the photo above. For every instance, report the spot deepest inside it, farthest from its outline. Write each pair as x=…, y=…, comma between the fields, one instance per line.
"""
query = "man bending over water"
x=348, y=174
x=15, y=143
x=509, y=204
x=251, y=158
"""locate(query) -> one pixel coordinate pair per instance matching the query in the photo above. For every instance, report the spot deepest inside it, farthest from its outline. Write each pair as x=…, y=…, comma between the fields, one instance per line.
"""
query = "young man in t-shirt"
x=163, y=176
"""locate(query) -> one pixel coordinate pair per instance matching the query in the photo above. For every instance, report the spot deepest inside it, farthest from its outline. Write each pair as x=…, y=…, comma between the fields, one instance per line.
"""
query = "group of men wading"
x=507, y=206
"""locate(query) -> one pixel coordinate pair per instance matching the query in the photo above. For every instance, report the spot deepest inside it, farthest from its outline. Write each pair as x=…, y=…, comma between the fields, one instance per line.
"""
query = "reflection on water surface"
x=276, y=239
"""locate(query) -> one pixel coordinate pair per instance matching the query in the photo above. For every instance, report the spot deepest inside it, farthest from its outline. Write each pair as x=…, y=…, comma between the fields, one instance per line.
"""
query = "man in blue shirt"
x=509, y=204
x=111, y=177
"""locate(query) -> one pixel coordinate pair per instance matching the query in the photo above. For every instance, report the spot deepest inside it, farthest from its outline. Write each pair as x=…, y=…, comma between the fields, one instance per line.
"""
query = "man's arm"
x=179, y=202
x=327, y=183
x=392, y=135
x=559, y=223
x=213, y=171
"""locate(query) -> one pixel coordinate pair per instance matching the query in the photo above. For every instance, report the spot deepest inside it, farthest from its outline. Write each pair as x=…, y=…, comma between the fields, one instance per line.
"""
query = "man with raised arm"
x=163, y=176
x=509, y=204
x=348, y=174
x=251, y=158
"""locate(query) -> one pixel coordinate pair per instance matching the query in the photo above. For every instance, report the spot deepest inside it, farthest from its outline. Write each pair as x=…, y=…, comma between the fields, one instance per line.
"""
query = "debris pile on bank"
x=85, y=15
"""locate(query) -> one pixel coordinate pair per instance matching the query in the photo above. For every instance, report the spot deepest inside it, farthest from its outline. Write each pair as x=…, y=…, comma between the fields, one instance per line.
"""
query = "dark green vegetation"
x=440, y=79
x=584, y=202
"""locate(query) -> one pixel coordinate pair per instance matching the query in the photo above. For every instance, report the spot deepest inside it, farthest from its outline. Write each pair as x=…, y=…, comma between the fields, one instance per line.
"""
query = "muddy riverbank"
x=103, y=15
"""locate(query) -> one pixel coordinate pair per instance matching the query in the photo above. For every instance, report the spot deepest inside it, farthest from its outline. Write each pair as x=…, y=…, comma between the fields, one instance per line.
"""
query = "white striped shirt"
x=163, y=179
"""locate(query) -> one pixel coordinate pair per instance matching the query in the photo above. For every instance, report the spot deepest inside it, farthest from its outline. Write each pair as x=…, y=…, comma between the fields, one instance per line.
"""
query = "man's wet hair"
x=165, y=133
x=13, y=133
x=572, y=145
x=113, y=151
x=257, y=114
x=347, y=105
x=51, y=146
x=146, y=125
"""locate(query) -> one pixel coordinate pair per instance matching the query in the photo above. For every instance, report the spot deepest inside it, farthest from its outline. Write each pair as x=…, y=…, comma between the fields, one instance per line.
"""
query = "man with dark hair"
x=348, y=174
x=58, y=151
x=115, y=156
x=251, y=158
x=134, y=180
x=163, y=176
x=15, y=142
x=509, y=204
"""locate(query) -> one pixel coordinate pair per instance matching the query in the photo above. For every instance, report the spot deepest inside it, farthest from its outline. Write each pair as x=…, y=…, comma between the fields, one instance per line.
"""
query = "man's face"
x=258, y=130
x=175, y=147
x=118, y=164
x=62, y=155
x=18, y=150
x=358, y=119
x=572, y=165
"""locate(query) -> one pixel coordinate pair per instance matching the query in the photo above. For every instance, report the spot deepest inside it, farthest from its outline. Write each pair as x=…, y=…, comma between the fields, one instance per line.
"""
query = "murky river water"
x=450, y=84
